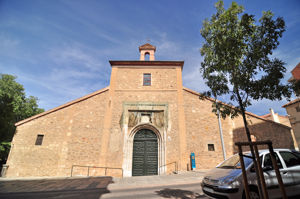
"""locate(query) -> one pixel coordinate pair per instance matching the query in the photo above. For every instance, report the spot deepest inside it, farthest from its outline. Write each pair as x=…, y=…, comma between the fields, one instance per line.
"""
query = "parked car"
x=226, y=180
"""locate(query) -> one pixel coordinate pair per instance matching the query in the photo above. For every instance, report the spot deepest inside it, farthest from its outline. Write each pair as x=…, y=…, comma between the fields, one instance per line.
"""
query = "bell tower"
x=147, y=49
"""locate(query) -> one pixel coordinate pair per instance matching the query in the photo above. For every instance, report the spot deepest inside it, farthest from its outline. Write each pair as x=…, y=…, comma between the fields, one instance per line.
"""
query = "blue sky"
x=59, y=50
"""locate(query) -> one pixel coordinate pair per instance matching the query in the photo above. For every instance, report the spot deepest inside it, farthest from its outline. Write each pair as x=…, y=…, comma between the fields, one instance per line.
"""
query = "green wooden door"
x=144, y=153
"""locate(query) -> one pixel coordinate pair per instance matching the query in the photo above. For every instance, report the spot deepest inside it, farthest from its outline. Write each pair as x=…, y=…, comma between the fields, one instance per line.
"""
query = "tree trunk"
x=249, y=140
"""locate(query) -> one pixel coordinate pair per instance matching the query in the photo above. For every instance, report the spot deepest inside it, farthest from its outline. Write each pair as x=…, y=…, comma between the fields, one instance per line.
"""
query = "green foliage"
x=14, y=106
x=4, y=150
x=296, y=87
x=237, y=59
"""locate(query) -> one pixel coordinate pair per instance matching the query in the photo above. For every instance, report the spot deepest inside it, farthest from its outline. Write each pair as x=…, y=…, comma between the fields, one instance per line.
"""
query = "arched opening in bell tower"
x=147, y=52
x=147, y=56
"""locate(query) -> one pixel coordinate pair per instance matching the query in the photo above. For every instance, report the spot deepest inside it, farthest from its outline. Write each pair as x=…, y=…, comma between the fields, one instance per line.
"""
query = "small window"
x=298, y=108
x=147, y=79
x=268, y=161
x=290, y=159
x=39, y=139
x=211, y=147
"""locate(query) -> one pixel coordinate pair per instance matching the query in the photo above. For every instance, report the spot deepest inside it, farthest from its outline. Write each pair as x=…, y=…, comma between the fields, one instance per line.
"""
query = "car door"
x=292, y=164
x=270, y=175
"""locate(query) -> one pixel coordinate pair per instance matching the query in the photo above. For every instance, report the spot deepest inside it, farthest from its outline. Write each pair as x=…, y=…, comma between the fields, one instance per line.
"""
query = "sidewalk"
x=24, y=185
x=189, y=177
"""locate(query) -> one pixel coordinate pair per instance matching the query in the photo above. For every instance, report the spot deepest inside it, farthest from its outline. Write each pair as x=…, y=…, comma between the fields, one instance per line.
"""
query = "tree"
x=295, y=84
x=14, y=106
x=237, y=59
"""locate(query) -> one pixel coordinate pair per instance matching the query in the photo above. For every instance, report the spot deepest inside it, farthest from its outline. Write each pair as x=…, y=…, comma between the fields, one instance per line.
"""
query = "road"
x=184, y=191
x=185, y=185
x=65, y=194
x=99, y=188
x=65, y=188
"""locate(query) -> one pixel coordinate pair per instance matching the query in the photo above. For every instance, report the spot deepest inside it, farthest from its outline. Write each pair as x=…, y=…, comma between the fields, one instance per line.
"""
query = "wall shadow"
x=87, y=188
x=179, y=194
x=279, y=135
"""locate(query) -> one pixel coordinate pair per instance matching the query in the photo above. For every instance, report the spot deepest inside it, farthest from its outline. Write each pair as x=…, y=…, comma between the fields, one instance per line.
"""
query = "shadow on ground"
x=179, y=194
x=87, y=188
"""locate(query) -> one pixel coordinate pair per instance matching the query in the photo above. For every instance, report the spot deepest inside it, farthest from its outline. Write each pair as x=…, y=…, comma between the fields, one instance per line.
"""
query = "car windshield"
x=234, y=162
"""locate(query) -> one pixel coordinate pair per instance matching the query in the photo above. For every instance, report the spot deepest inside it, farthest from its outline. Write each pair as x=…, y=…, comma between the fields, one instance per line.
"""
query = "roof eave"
x=145, y=63
x=291, y=103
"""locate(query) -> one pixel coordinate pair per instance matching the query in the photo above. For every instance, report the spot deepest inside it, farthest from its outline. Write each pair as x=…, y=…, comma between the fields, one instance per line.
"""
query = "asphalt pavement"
x=184, y=185
x=179, y=191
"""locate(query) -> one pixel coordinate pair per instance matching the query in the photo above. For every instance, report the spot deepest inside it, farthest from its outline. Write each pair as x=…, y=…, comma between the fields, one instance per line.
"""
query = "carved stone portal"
x=153, y=117
x=144, y=115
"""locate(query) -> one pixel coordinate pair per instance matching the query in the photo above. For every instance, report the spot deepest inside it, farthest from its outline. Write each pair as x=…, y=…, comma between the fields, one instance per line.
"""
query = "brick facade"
x=98, y=129
x=293, y=110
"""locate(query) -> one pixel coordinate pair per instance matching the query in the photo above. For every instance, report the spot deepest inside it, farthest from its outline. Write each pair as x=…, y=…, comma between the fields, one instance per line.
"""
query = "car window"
x=252, y=169
x=296, y=153
x=290, y=159
x=234, y=162
x=247, y=162
x=268, y=161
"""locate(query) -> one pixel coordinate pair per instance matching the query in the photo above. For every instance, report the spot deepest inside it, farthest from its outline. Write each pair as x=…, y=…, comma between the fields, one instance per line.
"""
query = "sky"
x=60, y=49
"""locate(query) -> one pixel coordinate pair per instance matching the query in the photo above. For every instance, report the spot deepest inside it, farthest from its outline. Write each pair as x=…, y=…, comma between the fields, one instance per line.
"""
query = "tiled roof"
x=147, y=46
x=291, y=102
x=267, y=115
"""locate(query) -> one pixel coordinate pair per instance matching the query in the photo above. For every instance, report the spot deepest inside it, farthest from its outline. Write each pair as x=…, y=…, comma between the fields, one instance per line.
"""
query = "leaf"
x=237, y=60
x=14, y=106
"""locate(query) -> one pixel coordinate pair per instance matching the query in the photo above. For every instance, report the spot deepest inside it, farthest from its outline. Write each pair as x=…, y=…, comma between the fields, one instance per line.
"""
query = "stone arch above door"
x=128, y=149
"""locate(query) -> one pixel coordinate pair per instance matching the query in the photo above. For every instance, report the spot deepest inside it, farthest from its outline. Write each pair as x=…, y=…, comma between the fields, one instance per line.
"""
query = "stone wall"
x=71, y=137
x=132, y=78
x=202, y=129
x=98, y=129
x=293, y=111
x=163, y=91
x=261, y=129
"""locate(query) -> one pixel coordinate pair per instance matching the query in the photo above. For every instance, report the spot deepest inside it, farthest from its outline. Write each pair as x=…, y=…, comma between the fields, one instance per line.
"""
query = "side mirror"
x=267, y=168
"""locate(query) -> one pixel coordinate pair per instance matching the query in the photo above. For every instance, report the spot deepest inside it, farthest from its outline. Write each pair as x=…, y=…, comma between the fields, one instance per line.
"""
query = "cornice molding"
x=145, y=63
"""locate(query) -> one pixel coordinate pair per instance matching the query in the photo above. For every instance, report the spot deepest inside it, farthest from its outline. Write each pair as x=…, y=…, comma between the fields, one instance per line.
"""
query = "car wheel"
x=253, y=194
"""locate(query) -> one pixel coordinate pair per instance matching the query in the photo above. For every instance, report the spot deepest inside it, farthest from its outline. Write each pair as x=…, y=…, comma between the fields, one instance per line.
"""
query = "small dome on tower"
x=147, y=49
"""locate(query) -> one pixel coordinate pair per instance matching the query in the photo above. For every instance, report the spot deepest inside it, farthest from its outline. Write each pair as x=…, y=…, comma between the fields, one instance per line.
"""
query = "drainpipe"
x=221, y=135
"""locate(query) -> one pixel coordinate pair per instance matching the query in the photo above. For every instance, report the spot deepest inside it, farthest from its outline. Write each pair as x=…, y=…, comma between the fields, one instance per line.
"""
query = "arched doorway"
x=145, y=153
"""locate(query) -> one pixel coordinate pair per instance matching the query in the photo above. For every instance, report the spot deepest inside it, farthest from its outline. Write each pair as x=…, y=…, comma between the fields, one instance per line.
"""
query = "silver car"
x=226, y=180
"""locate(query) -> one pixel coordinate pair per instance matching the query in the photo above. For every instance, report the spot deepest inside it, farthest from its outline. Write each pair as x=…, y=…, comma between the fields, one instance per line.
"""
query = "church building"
x=144, y=123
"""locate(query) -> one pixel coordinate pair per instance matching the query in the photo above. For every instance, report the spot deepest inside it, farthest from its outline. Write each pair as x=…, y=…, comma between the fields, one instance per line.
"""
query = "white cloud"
x=73, y=55
x=262, y=107
x=290, y=57
x=60, y=86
